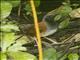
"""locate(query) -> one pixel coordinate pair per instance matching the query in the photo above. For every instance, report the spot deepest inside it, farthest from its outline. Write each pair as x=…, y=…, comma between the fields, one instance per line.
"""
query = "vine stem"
x=37, y=29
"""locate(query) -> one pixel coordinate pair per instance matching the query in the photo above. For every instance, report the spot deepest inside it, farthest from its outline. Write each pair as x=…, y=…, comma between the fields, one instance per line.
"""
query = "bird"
x=29, y=29
x=48, y=25
x=46, y=28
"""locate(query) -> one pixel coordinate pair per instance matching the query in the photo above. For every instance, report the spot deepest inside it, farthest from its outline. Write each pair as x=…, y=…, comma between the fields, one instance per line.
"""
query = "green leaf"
x=64, y=23
x=64, y=10
x=73, y=56
x=14, y=2
x=21, y=56
x=5, y=9
x=28, y=6
x=57, y=17
x=64, y=57
x=75, y=13
x=7, y=39
x=3, y=56
x=37, y=3
x=18, y=45
x=9, y=28
x=50, y=54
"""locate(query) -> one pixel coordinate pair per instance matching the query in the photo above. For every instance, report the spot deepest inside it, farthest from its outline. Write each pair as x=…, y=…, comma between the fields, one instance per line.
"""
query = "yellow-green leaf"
x=6, y=8
x=73, y=56
x=18, y=46
x=21, y=56
x=9, y=28
x=7, y=39
x=57, y=17
x=3, y=56
x=64, y=10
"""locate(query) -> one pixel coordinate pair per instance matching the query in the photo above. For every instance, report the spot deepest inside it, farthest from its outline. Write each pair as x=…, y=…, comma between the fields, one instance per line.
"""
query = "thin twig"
x=65, y=41
x=19, y=9
x=51, y=40
x=76, y=47
x=68, y=39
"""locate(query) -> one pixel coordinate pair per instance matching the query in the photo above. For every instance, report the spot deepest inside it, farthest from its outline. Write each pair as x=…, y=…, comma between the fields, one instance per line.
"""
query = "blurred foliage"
x=28, y=7
x=14, y=49
x=50, y=54
x=64, y=23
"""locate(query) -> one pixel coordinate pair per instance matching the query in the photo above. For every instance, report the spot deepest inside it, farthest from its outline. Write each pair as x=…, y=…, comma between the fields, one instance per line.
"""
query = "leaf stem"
x=37, y=29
